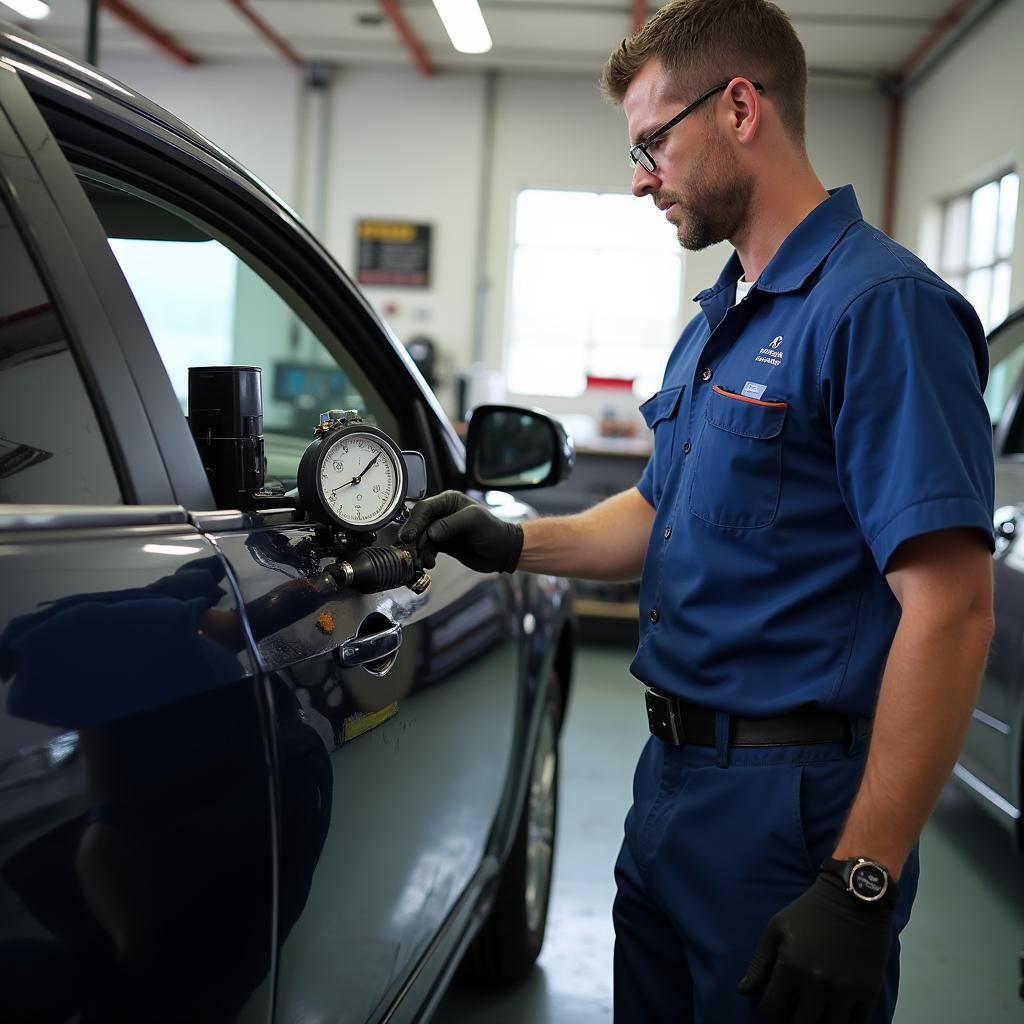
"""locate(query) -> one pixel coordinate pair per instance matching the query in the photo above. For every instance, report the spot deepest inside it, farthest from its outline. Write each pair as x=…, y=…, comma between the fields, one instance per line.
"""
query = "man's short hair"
x=704, y=42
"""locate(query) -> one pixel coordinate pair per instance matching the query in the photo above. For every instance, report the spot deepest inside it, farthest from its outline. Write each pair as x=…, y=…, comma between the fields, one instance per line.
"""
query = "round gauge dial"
x=355, y=476
x=359, y=478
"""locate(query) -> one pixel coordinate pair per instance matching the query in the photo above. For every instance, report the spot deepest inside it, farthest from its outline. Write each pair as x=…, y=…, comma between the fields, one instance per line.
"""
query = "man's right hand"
x=455, y=524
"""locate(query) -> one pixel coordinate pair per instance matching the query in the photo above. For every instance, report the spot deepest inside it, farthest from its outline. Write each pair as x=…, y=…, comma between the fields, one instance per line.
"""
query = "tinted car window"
x=1006, y=360
x=206, y=305
x=52, y=451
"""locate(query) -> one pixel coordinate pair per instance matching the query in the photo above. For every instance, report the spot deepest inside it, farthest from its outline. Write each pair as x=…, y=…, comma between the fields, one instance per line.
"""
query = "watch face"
x=360, y=480
x=868, y=881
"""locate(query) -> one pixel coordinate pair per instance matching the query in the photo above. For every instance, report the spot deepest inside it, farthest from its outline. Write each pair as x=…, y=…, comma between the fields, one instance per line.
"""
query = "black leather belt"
x=677, y=722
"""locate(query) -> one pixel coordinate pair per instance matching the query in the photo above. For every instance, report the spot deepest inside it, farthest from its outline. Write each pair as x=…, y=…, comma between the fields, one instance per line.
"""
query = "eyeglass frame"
x=640, y=149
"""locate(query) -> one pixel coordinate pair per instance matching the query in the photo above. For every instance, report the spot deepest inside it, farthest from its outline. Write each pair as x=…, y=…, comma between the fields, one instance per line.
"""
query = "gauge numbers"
x=359, y=479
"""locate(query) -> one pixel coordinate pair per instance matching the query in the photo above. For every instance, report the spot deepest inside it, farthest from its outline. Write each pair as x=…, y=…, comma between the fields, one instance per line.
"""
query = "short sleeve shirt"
x=800, y=436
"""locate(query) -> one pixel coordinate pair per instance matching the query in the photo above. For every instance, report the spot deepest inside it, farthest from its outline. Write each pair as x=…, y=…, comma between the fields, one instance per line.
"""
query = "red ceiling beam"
x=639, y=14
x=892, y=163
x=945, y=24
x=953, y=16
x=412, y=44
x=266, y=30
x=140, y=23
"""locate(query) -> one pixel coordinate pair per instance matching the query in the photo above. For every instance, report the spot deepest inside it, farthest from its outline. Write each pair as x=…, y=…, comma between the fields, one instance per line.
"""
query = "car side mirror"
x=510, y=448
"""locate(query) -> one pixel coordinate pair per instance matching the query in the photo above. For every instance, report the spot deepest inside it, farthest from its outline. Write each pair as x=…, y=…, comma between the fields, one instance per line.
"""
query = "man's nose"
x=644, y=181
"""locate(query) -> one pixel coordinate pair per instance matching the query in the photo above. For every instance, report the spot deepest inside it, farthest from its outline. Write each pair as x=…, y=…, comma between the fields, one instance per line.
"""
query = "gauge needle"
x=356, y=479
x=363, y=471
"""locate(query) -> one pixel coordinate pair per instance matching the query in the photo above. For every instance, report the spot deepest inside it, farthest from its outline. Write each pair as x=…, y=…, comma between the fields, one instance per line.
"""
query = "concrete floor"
x=959, y=951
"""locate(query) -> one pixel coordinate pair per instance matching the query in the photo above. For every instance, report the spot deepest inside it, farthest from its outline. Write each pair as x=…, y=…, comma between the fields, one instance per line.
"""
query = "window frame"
x=1008, y=432
x=122, y=144
x=46, y=206
x=331, y=344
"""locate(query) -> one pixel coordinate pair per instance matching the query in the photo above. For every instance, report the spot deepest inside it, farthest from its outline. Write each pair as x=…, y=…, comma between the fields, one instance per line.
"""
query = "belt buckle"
x=662, y=717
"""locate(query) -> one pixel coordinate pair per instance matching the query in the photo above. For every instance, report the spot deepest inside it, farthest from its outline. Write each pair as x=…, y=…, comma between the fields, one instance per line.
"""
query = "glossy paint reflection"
x=415, y=798
x=136, y=840
x=990, y=753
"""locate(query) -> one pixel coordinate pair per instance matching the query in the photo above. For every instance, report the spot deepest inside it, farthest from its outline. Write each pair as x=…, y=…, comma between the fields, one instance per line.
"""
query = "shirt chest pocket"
x=738, y=473
x=660, y=413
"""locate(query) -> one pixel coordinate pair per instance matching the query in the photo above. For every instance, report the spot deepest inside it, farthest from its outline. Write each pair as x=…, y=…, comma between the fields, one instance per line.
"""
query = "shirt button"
x=686, y=448
x=654, y=615
x=668, y=532
x=705, y=374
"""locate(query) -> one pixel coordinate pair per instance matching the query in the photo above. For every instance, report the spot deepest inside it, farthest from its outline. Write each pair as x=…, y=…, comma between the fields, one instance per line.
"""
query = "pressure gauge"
x=353, y=474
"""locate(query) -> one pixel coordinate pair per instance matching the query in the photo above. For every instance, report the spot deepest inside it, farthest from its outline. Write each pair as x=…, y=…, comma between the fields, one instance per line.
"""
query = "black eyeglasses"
x=639, y=153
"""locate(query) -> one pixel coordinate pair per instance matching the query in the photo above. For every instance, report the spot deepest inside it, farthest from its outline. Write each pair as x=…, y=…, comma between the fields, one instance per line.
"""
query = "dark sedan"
x=255, y=765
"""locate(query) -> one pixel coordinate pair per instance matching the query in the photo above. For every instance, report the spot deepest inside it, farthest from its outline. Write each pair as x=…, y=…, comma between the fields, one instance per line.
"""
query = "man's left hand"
x=822, y=958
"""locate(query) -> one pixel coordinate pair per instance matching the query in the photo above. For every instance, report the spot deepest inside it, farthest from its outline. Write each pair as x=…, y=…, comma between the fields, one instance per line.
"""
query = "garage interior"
x=364, y=119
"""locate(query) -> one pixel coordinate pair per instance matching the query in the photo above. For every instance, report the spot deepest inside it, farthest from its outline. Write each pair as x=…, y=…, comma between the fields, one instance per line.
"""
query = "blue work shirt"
x=799, y=437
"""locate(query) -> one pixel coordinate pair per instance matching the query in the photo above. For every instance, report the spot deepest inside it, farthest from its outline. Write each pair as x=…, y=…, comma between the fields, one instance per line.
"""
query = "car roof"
x=42, y=56
x=1011, y=319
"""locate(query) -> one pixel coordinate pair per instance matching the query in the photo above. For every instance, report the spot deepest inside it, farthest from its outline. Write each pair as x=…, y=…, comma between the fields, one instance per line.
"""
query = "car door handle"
x=1007, y=525
x=361, y=650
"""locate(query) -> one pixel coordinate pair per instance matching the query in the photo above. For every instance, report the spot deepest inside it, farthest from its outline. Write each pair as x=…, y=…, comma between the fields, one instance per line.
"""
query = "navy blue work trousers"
x=717, y=841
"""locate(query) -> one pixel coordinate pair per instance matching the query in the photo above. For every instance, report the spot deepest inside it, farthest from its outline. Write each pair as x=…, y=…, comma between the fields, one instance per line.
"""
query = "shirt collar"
x=803, y=249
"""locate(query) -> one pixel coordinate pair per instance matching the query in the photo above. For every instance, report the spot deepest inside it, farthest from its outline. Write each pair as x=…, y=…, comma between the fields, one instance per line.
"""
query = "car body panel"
x=989, y=765
x=409, y=824
x=138, y=832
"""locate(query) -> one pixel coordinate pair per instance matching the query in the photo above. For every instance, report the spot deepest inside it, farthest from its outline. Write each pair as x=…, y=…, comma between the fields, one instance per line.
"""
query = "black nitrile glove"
x=458, y=526
x=822, y=958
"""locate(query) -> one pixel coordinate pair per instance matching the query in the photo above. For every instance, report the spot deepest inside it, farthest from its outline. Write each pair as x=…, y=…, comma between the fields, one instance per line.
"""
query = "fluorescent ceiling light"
x=34, y=9
x=465, y=25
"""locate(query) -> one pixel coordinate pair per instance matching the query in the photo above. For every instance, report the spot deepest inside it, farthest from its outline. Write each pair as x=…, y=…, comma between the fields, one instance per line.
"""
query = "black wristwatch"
x=866, y=880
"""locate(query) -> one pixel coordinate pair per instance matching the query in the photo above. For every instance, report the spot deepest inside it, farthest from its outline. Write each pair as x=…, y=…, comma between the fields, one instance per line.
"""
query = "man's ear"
x=743, y=103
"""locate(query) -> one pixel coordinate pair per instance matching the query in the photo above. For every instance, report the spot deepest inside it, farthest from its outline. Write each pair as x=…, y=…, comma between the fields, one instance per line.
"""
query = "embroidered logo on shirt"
x=753, y=390
x=771, y=353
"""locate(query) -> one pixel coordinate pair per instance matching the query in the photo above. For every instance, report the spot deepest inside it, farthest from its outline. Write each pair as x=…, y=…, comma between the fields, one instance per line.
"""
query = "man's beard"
x=717, y=200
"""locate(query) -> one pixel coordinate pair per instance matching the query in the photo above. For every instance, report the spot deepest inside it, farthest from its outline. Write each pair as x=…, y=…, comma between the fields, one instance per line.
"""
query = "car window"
x=52, y=450
x=1003, y=393
x=206, y=304
x=1006, y=360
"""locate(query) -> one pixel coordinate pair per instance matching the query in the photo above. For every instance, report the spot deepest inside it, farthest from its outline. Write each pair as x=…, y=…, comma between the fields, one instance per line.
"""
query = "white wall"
x=249, y=110
x=404, y=147
x=961, y=126
x=401, y=146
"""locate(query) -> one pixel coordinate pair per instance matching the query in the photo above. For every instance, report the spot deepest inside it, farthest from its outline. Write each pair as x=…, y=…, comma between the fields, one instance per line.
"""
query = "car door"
x=992, y=749
x=385, y=825
x=136, y=839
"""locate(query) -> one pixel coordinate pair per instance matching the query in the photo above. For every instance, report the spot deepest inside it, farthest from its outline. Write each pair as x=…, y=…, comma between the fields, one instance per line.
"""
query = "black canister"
x=225, y=415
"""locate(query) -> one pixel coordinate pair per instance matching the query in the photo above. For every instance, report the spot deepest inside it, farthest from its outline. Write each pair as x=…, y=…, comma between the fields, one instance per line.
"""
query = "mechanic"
x=814, y=530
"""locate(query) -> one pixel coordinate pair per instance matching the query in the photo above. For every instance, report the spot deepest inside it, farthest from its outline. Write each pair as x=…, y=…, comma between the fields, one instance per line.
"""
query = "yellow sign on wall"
x=393, y=252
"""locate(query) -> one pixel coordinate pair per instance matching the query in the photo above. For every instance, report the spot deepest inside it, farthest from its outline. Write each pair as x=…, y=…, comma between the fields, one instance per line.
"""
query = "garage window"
x=595, y=290
x=977, y=241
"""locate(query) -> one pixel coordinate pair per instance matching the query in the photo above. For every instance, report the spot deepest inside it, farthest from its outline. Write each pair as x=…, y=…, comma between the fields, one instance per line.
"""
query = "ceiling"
x=851, y=40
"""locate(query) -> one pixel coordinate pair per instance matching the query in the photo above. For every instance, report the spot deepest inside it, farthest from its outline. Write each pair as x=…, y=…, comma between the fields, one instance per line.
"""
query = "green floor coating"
x=959, y=951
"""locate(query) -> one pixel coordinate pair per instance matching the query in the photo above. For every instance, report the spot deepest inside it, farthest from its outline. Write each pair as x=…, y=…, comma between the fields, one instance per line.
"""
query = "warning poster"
x=393, y=252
